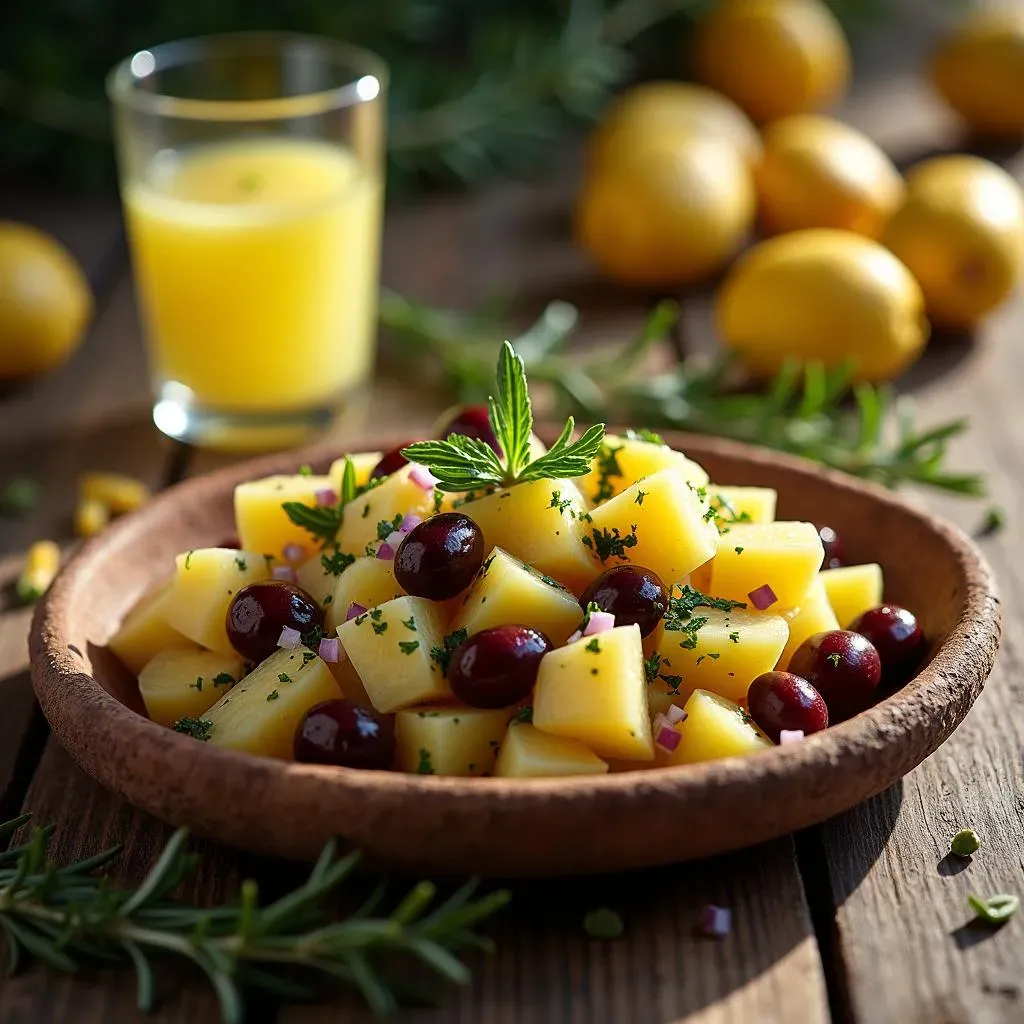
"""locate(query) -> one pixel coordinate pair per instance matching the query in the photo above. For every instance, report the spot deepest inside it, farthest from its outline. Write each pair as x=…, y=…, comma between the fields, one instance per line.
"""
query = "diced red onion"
x=675, y=714
x=578, y=635
x=716, y=921
x=385, y=552
x=354, y=610
x=763, y=597
x=666, y=738
x=394, y=539
x=289, y=638
x=410, y=522
x=326, y=496
x=293, y=552
x=599, y=622
x=286, y=573
x=790, y=735
x=422, y=477
x=330, y=649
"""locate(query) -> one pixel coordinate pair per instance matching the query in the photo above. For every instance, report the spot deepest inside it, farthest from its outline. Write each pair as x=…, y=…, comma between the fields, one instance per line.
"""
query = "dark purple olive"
x=843, y=667
x=471, y=421
x=898, y=638
x=259, y=612
x=632, y=594
x=782, y=700
x=835, y=550
x=346, y=734
x=439, y=558
x=391, y=462
x=497, y=667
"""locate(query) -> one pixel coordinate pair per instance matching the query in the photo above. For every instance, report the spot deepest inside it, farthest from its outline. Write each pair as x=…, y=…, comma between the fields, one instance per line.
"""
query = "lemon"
x=979, y=70
x=773, y=57
x=824, y=295
x=669, y=213
x=961, y=233
x=670, y=109
x=819, y=173
x=45, y=302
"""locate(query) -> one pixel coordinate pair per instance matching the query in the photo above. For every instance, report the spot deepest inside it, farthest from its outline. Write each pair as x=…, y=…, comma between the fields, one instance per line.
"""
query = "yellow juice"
x=256, y=262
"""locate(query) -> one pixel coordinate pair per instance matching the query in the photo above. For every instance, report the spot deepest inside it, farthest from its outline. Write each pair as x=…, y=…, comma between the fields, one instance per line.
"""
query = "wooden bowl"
x=514, y=827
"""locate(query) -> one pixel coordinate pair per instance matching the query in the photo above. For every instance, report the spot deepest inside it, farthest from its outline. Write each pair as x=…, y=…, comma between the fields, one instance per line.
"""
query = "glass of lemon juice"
x=251, y=178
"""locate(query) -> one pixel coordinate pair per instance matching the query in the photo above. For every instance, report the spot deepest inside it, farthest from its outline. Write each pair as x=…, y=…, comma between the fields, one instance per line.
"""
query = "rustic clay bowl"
x=504, y=826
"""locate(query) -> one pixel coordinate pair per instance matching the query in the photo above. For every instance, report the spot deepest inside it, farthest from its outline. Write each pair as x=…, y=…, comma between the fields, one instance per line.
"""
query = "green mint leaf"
x=197, y=728
x=460, y=463
x=511, y=415
x=563, y=459
x=322, y=523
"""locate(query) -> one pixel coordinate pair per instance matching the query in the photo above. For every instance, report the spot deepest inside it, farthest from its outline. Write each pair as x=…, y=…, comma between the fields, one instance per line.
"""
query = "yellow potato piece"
x=661, y=522
x=746, y=504
x=205, y=581
x=720, y=651
x=391, y=648
x=367, y=581
x=186, y=684
x=784, y=555
x=263, y=525
x=261, y=714
x=509, y=592
x=146, y=632
x=853, y=590
x=316, y=579
x=543, y=524
x=623, y=461
x=395, y=497
x=715, y=727
x=449, y=740
x=363, y=463
x=528, y=753
x=814, y=615
x=594, y=691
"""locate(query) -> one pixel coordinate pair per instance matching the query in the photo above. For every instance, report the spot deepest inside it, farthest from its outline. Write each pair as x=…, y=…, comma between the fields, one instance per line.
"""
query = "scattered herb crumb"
x=835, y=659
x=738, y=550
x=425, y=767
x=223, y=679
x=273, y=695
x=197, y=728
x=410, y=623
x=305, y=470
x=442, y=654
x=408, y=646
x=639, y=499
x=603, y=924
x=734, y=636
x=284, y=677
x=241, y=563
x=593, y=646
x=197, y=685
x=994, y=521
x=524, y=714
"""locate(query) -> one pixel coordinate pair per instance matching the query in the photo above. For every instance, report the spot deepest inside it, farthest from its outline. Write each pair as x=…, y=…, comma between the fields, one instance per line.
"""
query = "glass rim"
x=122, y=84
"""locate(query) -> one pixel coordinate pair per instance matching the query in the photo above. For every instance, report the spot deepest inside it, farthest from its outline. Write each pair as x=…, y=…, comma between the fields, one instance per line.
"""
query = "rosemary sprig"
x=820, y=414
x=69, y=917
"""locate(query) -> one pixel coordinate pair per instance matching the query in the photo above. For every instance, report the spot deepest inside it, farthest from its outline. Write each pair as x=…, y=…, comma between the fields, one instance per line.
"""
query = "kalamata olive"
x=497, y=667
x=439, y=558
x=391, y=462
x=632, y=594
x=898, y=638
x=782, y=700
x=346, y=734
x=843, y=667
x=835, y=550
x=259, y=611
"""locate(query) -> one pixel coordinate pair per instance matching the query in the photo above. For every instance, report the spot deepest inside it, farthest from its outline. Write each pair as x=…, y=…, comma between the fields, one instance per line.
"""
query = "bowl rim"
x=65, y=689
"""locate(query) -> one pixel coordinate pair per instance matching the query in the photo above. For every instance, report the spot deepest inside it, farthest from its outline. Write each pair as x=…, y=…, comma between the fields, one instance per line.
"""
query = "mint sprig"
x=464, y=463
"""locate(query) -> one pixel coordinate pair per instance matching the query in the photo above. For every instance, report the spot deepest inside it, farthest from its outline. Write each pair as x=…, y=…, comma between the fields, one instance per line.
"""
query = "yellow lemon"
x=773, y=57
x=45, y=302
x=670, y=214
x=821, y=173
x=824, y=295
x=961, y=233
x=672, y=109
x=979, y=70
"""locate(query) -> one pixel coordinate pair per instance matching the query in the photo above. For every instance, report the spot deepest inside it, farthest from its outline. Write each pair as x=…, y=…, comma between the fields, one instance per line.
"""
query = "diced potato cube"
x=852, y=590
x=263, y=525
x=594, y=691
x=146, y=632
x=814, y=615
x=205, y=581
x=449, y=740
x=622, y=461
x=367, y=581
x=394, y=648
x=528, y=753
x=509, y=592
x=720, y=651
x=743, y=504
x=315, y=579
x=784, y=555
x=363, y=463
x=394, y=498
x=661, y=523
x=700, y=578
x=261, y=714
x=542, y=524
x=715, y=727
x=186, y=684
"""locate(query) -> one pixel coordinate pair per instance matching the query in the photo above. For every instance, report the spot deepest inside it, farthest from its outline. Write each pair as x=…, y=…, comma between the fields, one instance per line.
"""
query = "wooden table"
x=862, y=919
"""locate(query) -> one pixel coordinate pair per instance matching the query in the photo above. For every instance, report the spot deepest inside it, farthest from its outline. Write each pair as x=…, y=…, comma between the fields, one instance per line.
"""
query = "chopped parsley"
x=652, y=666
x=337, y=563
x=442, y=654
x=307, y=657
x=425, y=767
x=312, y=638
x=386, y=527
x=241, y=563
x=378, y=627
x=709, y=515
x=606, y=466
x=197, y=728
x=188, y=559
x=685, y=599
x=994, y=521
x=408, y=646
x=273, y=695
x=674, y=682
x=410, y=623
x=726, y=512
x=284, y=677
x=197, y=685
x=524, y=714
x=19, y=496
x=593, y=646
x=223, y=679
x=610, y=544
x=835, y=659
x=738, y=550
x=734, y=636
x=639, y=499
x=557, y=501
x=305, y=470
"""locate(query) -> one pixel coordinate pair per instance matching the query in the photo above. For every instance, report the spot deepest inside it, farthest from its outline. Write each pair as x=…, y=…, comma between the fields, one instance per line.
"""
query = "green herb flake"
x=834, y=659
x=241, y=563
x=965, y=843
x=557, y=501
x=284, y=677
x=379, y=627
x=197, y=728
x=273, y=695
x=223, y=679
x=524, y=715
x=337, y=563
x=307, y=657
x=738, y=550
x=603, y=924
x=386, y=527
x=408, y=646
x=734, y=636
x=652, y=666
x=593, y=646
x=993, y=521
x=996, y=909
x=305, y=470
x=673, y=682
x=197, y=685
x=610, y=544
x=188, y=560
x=312, y=638
x=442, y=654
x=425, y=767
x=410, y=623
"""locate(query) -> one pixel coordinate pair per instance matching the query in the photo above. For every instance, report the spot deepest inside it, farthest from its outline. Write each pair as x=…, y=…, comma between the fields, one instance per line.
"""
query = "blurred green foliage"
x=477, y=85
